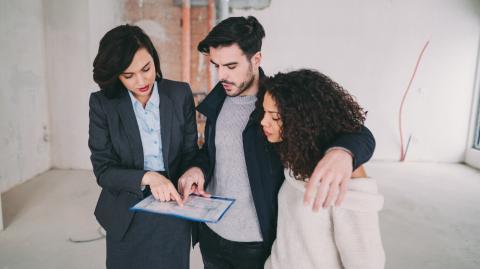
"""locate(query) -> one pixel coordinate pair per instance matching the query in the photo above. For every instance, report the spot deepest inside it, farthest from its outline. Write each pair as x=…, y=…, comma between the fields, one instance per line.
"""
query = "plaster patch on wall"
x=239, y=4
x=56, y=19
x=200, y=66
x=8, y=132
x=153, y=29
x=24, y=80
x=43, y=141
x=45, y=134
x=249, y=4
x=20, y=156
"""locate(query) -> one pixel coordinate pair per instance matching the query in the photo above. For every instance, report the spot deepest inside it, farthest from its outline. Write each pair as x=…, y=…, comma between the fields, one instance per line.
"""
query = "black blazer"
x=117, y=152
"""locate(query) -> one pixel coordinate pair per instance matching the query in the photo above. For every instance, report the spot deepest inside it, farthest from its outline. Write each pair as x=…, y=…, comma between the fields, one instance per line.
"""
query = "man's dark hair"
x=115, y=53
x=246, y=32
x=314, y=111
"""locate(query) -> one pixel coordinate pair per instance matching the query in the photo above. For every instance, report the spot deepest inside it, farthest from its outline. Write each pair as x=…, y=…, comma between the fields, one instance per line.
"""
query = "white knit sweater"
x=337, y=237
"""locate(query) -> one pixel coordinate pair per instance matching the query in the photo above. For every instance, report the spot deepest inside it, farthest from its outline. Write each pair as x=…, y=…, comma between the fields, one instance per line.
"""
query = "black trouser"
x=220, y=253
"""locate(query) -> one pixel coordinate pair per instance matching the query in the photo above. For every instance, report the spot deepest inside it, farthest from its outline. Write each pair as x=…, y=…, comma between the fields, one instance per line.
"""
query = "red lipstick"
x=144, y=89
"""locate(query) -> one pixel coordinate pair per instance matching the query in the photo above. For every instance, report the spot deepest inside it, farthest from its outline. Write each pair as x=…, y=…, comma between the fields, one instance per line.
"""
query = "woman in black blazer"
x=142, y=136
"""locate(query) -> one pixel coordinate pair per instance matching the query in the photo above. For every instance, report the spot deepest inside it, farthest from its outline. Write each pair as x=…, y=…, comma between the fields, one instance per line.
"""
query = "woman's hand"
x=161, y=187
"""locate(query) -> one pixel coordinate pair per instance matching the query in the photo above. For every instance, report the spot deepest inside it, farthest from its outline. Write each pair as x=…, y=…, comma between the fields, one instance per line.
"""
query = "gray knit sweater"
x=230, y=178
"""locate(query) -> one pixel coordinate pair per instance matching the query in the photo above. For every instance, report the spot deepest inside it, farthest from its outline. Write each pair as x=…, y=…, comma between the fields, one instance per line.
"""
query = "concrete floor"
x=431, y=219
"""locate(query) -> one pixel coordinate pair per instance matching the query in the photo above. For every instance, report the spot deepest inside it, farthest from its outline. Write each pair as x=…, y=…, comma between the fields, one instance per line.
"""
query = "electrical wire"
x=403, y=152
x=100, y=232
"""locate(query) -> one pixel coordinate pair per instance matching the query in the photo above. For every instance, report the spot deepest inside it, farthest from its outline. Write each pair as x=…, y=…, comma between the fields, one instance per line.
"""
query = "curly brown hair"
x=314, y=110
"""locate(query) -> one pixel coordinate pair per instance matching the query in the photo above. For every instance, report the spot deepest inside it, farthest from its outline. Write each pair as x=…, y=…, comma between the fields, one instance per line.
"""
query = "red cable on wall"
x=403, y=152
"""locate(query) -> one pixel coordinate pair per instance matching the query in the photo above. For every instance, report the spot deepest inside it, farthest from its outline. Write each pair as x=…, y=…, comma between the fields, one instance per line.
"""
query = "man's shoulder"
x=213, y=101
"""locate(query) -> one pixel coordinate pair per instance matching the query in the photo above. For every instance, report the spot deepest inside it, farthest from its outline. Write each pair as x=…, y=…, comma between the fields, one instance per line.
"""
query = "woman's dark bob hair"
x=115, y=53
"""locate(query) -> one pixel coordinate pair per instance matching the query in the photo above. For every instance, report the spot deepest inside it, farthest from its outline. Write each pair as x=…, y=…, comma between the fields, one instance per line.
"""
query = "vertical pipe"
x=186, y=41
x=1, y=213
x=223, y=9
x=211, y=22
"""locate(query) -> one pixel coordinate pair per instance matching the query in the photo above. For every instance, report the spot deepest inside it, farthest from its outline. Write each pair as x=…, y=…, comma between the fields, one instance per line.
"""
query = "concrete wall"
x=73, y=30
x=47, y=53
x=67, y=31
x=371, y=47
x=24, y=123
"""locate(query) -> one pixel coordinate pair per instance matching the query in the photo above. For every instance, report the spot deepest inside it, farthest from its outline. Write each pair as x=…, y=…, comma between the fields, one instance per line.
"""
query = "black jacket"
x=264, y=168
x=117, y=152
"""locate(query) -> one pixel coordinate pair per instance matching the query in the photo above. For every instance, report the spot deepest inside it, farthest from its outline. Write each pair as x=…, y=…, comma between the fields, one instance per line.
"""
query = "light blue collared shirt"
x=148, y=120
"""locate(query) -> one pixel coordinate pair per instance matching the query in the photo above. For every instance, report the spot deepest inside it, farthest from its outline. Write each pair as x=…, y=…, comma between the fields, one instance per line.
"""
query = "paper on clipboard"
x=196, y=208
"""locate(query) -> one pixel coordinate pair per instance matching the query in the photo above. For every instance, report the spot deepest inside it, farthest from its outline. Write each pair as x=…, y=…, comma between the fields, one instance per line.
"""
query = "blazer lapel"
x=127, y=115
x=166, y=114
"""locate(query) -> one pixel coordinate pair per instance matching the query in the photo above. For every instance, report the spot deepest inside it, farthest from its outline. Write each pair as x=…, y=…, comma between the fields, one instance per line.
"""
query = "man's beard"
x=246, y=83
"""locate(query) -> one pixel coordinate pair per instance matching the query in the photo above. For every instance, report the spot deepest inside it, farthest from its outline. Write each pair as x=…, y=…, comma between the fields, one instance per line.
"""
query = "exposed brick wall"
x=160, y=14
x=162, y=21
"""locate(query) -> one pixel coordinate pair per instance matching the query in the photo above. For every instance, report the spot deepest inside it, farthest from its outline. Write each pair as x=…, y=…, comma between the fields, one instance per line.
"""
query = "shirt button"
x=155, y=156
x=155, y=142
x=151, y=130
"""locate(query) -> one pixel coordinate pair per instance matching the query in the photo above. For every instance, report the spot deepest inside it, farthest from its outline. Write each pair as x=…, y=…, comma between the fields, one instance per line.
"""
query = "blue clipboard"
x=196, y=208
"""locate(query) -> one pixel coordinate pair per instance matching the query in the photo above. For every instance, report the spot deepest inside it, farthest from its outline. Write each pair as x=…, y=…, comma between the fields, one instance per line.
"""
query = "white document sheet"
x=196, y=208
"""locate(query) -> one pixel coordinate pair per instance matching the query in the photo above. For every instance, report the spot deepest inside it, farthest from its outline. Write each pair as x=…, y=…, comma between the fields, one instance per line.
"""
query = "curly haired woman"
x=304, y=111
